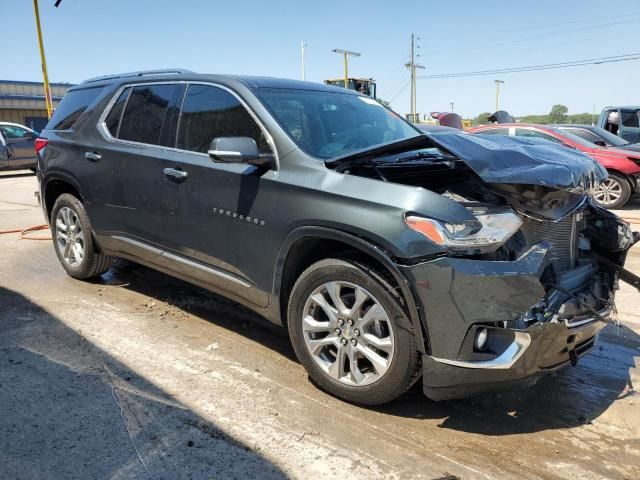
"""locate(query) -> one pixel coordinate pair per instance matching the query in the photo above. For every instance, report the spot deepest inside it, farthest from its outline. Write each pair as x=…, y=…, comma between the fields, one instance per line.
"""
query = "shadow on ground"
x=573, y=397
x=70, y=410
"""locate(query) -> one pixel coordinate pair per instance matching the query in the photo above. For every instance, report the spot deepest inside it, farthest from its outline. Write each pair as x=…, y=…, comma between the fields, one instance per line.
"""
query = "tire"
x=67, y=215
x=381, y=318
x=613, y=193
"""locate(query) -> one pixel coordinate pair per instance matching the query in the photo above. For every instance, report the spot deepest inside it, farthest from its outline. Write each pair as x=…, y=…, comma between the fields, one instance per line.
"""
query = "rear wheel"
x=73, y=239
x=613, y=192
x=352, y=335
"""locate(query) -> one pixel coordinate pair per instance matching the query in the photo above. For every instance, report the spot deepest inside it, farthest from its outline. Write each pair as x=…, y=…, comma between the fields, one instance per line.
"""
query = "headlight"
x=486, y=234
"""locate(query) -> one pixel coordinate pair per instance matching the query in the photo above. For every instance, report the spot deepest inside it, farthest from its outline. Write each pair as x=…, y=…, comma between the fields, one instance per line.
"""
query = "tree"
x=558, y=114
x=481, y=119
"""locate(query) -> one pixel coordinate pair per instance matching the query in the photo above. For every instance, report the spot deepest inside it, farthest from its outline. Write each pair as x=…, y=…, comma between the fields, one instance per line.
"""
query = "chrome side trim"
x=183, y=261
x=104, y=131
x=138, y=244
x=504, y=361
x=212, y=271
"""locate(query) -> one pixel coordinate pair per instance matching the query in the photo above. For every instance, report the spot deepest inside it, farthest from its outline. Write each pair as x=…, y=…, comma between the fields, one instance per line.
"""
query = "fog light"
x=480, y=343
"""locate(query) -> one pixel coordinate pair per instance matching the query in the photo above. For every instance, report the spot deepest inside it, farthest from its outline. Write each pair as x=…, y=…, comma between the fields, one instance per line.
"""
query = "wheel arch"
x=55, y=185
x=625, y=176
x=306, y=245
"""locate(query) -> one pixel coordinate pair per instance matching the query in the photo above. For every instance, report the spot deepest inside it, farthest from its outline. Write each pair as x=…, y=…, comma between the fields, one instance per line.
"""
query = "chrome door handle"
x=92, y=156
x=175, y=173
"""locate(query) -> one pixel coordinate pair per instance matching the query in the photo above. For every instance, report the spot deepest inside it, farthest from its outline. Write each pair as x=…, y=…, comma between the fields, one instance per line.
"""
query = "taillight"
x=40, y=144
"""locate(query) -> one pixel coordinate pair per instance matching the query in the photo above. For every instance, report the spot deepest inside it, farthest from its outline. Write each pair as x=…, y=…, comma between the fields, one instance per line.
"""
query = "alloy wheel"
x=608, y=192
x=70, y=236
x=348, y=333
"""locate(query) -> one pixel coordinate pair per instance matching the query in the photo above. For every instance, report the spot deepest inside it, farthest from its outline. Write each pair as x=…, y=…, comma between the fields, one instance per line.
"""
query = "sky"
x=87, y=38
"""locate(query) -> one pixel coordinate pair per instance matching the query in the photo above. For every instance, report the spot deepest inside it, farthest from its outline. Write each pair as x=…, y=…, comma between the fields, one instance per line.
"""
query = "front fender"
x=367, y=248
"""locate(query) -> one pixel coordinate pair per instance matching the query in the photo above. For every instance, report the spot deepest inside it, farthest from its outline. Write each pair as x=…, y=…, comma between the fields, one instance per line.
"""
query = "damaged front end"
x=524, y=288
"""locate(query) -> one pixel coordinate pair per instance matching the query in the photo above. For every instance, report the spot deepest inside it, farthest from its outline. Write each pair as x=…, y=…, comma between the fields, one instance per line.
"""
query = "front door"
x=630, y=125
x=214, y=213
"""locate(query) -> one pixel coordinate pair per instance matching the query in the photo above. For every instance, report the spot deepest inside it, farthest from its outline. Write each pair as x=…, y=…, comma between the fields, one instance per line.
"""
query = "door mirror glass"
x=238, y=150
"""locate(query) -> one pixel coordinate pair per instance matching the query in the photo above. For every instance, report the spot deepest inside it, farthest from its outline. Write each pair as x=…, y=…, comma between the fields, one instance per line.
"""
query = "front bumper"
x=458, y=295
x=547, y=347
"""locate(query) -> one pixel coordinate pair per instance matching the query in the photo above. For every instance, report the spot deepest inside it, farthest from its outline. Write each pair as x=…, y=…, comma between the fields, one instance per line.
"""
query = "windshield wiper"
x=365, y=154
x=421, y=155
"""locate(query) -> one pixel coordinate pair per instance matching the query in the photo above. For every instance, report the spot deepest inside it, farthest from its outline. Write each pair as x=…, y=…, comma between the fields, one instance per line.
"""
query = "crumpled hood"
x=502, y=159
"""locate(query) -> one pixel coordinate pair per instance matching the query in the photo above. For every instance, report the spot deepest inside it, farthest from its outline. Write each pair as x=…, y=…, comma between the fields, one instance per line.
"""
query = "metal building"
x=23, y=102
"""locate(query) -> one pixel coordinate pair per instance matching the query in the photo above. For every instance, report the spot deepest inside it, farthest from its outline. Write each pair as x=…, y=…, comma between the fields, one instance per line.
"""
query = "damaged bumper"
x=531, y=329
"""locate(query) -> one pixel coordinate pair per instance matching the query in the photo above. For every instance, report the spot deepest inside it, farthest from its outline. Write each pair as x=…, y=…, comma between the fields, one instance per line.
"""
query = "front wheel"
x=613, y=192
x=352, y=335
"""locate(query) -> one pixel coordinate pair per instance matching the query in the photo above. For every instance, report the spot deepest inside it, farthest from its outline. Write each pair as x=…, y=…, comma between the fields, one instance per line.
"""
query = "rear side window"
x=209, y=112
x=526, y=132
x=494, y=131
x=150, y=115
x=71, y=107
x=115, y=115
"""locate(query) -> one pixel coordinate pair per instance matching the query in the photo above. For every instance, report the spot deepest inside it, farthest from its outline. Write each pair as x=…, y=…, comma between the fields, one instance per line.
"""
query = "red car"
x=623, y=165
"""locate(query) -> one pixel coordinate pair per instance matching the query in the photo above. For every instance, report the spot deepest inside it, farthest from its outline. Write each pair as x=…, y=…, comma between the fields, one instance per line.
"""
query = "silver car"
x=17, y=147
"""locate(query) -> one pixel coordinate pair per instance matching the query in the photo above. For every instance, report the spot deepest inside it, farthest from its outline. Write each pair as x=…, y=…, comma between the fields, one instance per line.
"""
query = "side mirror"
x=600, y=143
x=238, y=150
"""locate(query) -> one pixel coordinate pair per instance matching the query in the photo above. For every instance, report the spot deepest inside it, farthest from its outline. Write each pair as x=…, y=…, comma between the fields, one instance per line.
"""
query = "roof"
x=251, y=82
x=622, y=107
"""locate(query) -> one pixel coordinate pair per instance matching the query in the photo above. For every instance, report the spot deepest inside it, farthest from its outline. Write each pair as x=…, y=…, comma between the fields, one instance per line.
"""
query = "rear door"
x=141, y=124
x=630, y=125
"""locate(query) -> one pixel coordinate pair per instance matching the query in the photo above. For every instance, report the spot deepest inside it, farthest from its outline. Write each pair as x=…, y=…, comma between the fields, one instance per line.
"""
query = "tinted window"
x=495, y=131
x=113, y=119
x=10, y=131
x=151, y=114
x=327, y=124
x=71, y=107
x=629, y=119
x=584, y=134
x=210, y=112
x=526, y=132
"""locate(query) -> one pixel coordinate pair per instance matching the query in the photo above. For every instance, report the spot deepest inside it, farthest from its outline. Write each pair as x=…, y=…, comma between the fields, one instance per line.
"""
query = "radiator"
x=561, y=235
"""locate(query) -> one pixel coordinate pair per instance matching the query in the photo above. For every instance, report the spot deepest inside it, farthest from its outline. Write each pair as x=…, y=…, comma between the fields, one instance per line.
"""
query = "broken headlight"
x=486, y=234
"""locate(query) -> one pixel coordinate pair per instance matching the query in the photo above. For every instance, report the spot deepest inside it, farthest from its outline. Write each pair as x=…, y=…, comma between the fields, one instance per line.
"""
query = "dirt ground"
x=139, y=375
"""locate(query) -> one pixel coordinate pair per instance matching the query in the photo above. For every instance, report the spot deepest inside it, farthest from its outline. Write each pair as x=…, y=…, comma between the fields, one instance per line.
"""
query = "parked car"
x=623, y=165
x=17, y=144
x=599, y=137
x=388, y=254
x=622, y=121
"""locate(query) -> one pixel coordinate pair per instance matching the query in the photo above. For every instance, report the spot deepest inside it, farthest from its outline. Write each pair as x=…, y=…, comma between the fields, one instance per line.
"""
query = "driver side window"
x=210, y=112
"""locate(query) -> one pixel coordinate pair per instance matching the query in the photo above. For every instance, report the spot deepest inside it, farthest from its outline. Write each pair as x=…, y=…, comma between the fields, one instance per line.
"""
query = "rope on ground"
x=26, y=233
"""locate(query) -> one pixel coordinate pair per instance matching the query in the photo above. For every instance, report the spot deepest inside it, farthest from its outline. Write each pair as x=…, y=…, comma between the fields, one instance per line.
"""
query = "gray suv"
x=389, y=254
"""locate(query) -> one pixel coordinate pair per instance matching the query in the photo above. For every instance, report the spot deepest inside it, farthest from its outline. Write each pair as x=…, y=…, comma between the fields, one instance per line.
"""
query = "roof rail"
x=142, y=73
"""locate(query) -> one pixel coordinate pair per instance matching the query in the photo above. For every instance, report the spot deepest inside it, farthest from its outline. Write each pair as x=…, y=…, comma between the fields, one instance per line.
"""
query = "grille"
x=561, y=235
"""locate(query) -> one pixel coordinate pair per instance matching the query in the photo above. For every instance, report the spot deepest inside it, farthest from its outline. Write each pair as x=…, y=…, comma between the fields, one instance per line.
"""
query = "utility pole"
x=346, y=54
x=451, y=103
x=498, y=82
x=302, y=45
x=47, y=90
x=412, y=69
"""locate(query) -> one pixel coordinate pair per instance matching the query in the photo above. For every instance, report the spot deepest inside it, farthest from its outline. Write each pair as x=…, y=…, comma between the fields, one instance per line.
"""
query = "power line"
x=538, y=27
x=531, y=68
x=402, y=89
x=524, y=38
